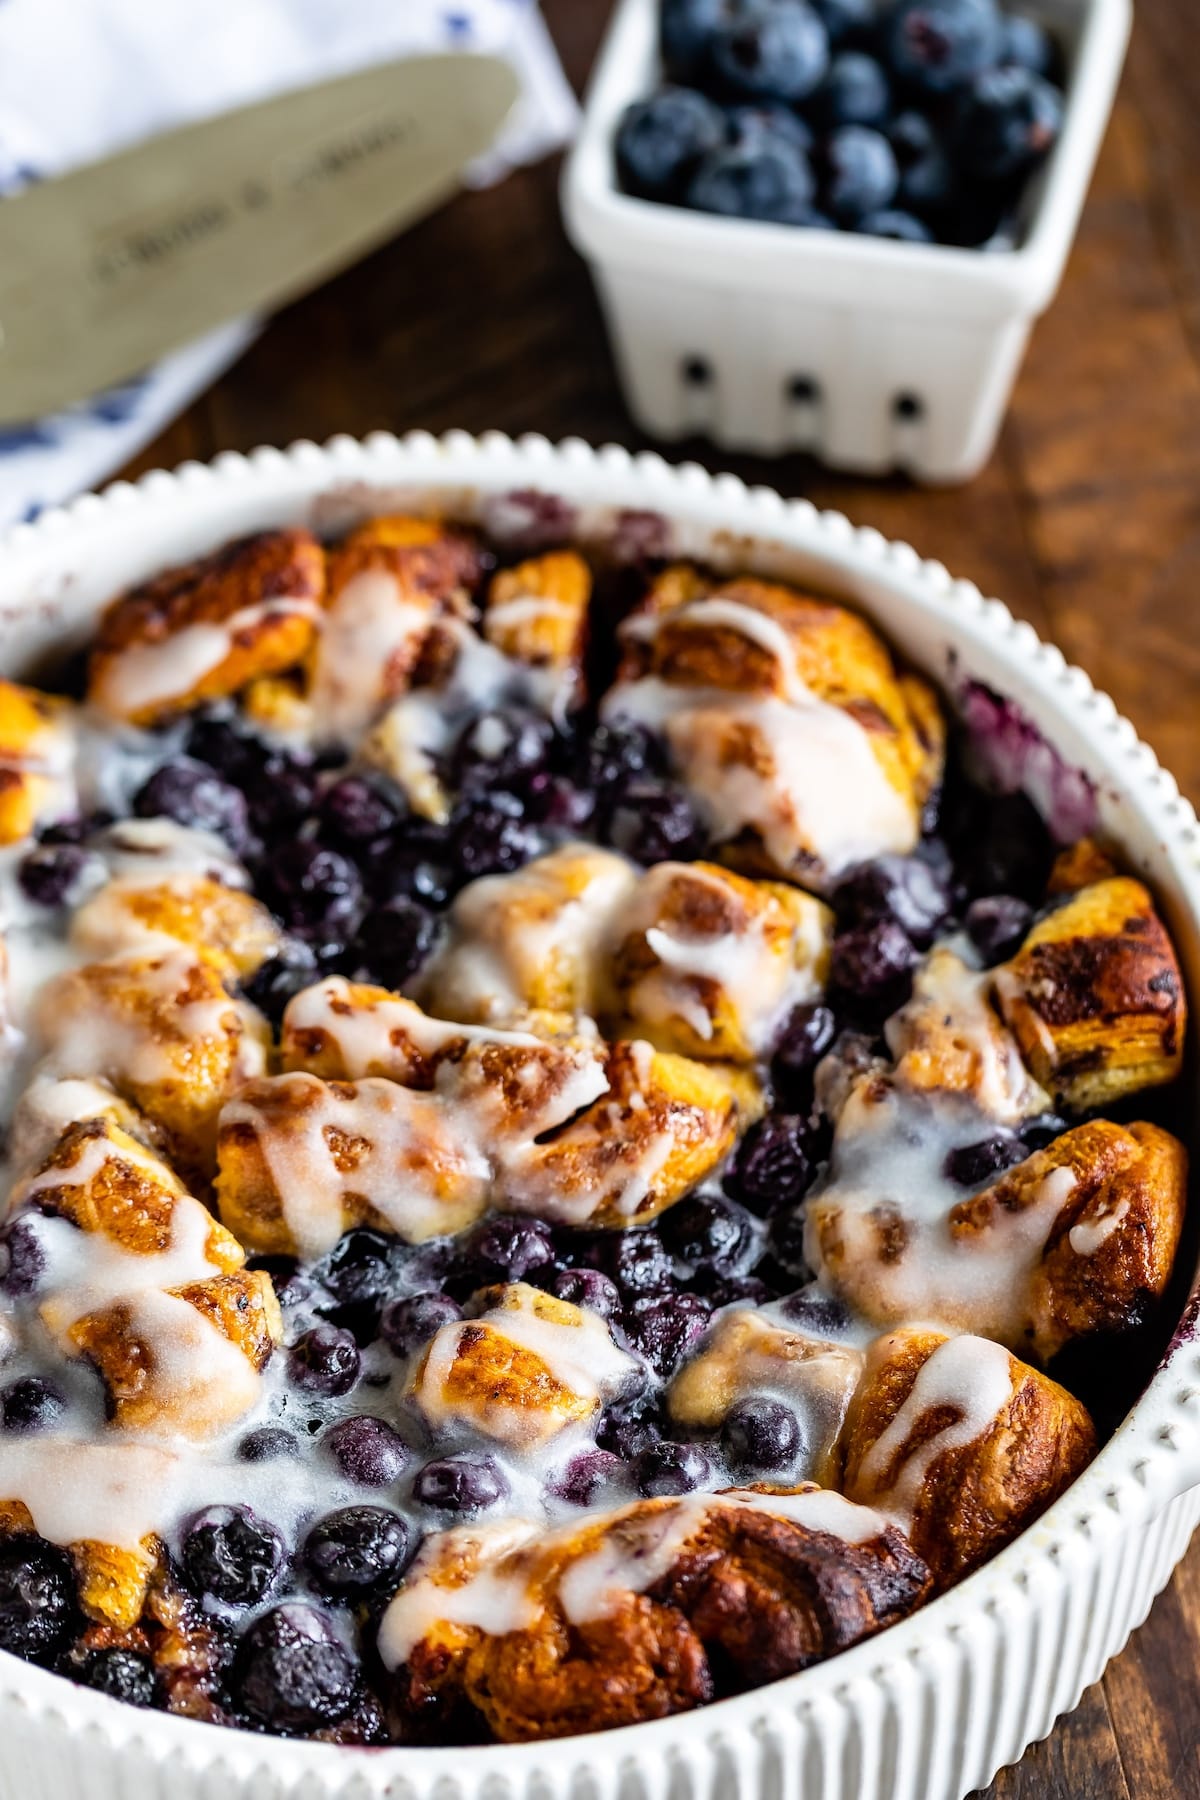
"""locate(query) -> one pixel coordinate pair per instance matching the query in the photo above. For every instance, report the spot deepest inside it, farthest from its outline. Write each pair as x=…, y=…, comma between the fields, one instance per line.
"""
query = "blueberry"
x=355, y=810
x=460, y=1484
x=806, y=1035
x=556, y=801
x=871, y=967
x=503, y=747
x=860, y=173
x=785, y=1236
x=232, y=1556
x=509, y=1248
x=588, y=1288
x=855, y=91
x=325, y=1360
x=37, y=1595
x=628, y=1428
x=900, y=227
x=121, y=1674
x=226, y=749
x=750, y=126
x=937, y=45
x=906, y=889
x=666, y=1468
x=771, y=1165
x=356, y=1549
x=618, y=753
x=997, y=925
x=707, y=1231
x=30, y=1404
x=746, y=1290
x=772, y=50
x=291, y=1674
x=282, y=793
x=686, y=30
x=193, y=796
x=315, y=888
x=1029, y=45
x=22, y=1258
x=660, y=141
x=1011, y=119
x=360, y=1267
x=394, y=941
x=407, y=1325
x=50, y=874
x=846, y=21
x=588, y=1476
x=1007, y=849
x=635, y=1259
x=282, y=977
x=293, y=1286
x=268, y=1443
x=367, y=1451
x=765, y=179
x=1036, y=1133
x=399, y=870
x=819, y=1315
x=493, y=839
x=653, y=821
x=664, y=1327
x=974, y=1164
x=76, y=829
x=761, y=1434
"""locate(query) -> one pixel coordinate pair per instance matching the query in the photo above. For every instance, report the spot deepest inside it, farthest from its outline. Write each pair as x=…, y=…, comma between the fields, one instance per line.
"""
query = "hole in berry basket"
x=802, y=390
x=802, y=412
x=908, y=408
x=696, y=371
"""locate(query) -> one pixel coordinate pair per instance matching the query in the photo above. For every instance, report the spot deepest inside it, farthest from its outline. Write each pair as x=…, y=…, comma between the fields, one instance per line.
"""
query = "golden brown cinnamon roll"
x=222, y=925
x=36, y=758
x=537, y=614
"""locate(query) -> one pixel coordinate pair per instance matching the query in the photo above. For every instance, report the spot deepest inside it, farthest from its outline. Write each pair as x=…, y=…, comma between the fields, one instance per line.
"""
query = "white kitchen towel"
x=81, y=78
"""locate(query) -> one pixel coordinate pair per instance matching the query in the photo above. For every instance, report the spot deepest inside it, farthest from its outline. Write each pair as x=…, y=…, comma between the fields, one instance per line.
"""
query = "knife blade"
x=105, y=269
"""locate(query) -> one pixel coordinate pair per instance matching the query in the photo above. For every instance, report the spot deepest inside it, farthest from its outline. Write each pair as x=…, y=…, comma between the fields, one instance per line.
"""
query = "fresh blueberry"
x=510, y=1248
x=121, y=1674
x=315, y=888
x=22, y=1257
x=588, y=1288
x=928, y=182
x=664, y=1327
x=268, y=1443
x=906, y=889
x=766, y=179
x=325, y=1360
x=771, y=1165
x=492, y=838
x=460, y=1484
x=707, y=1231
x=282, y=977
x=871, y=968
x=937, y=45
x=900, y=227
x=1036, y=1133
x=50, y=874
x=973, y=1164
x=367, y=1451
x=356, y=809
x=352, y=1551
x=37, y=1595
x=193, y=796
x=771, y=50
x=1011, y=119
x=661, y=140
x=1029, y=45
x=855, y=91
x=686, y=29
x=997, y=924
x=636, y=1259
x=30, y=1404
x=291, y=1674
x=232, y=1556
x=406, y=1326
x=589, y=1476
x=761, y=1434
x=503, y=747
x=666, y=1469
x=617, y=754
x=805, y=1037
x=653, y=821
x=750, y=126
x=860, y=173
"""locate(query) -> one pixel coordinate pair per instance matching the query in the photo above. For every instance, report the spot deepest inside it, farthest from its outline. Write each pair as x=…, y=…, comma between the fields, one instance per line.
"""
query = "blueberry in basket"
x=917, y=121
x=496, y=1164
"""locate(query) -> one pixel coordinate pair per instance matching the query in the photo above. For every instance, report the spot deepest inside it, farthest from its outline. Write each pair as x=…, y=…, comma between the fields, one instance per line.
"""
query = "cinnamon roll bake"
x=542, y=1188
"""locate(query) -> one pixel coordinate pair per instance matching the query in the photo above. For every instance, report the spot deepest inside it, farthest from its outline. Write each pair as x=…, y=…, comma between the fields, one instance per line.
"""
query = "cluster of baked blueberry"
x=921, y=120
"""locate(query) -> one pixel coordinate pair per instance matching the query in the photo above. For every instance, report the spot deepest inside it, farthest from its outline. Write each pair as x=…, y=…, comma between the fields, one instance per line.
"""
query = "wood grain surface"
x=1087, y=522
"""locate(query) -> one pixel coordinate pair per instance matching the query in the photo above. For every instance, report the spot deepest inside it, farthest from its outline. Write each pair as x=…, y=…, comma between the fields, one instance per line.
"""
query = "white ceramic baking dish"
x=933, y=1707
x=872, y=355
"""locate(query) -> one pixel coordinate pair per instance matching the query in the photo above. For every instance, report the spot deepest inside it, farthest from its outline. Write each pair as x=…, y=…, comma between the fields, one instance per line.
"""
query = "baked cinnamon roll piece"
x=537, y=614
x=222, y=925
x=37, y=754
x=637, y=1614
x=961, y=1442
x=1094, y=997
x=708, y=963
x=112, y=1580
x=204, y=630
x=804, y=748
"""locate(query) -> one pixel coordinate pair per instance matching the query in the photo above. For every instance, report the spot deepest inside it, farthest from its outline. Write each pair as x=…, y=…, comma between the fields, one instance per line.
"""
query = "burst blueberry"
x=460, y=1484
x=806, y=1035
x=618, y=753
x=356, y=809
x=871, y=968
x=654, y=821
x=669, y=1468
x=31, y=1404
x=22, y=1257
x=665, y=1327
x=51, y=874
x=193, y=796
x=771, y=1164
x=971, y=1165
x=121, y=1674
x=232, y=1556
x=761, y=1435
x=589, y=1288
x=635, y=1259
x=407, y=1325
x=291, y=1674
x=314, y=887
x=509, y=1248
x=997, y=924
x=493, y=838
x=708, y=1231
x=907, y=889
x=325, y=1360
x=589, y=1477
x=503, y=748
x=356, y=1549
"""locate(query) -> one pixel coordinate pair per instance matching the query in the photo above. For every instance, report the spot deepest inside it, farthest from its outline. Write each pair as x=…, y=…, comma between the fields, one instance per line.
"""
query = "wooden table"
x=1087, y=522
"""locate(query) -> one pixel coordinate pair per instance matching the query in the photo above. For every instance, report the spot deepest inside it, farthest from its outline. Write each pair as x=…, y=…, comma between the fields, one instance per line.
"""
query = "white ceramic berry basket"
x=932, y=1708
x=870, y=354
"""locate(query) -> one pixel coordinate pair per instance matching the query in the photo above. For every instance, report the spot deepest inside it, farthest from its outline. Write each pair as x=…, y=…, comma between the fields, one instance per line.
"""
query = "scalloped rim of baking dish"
x=1153, y=1458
